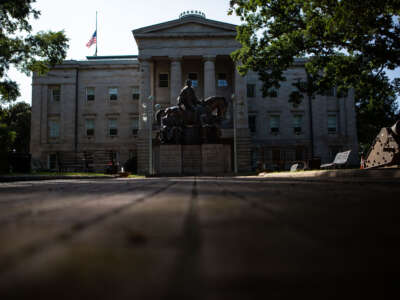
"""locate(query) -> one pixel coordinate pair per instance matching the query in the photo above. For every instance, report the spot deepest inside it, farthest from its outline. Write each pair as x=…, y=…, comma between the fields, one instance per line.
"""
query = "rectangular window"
x=222, y=81
x=163, y=80
x=297, y=122
x=193, y=79
x=135, y=126
x=89, y=125
x=332, y=123
x=89, y=94
x=252, y=123
x=274, y=121
x=299, y=153
x=276, y=155
x=52, y=161
x=251, y=90
x=113, y=93
x=112, y=127
x=54, y=129
x=55, y=93
x=135, y=93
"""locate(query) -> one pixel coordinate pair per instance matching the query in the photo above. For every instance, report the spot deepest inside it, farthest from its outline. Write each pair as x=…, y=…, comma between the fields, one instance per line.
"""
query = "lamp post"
x=150, y=126
x=234, y=135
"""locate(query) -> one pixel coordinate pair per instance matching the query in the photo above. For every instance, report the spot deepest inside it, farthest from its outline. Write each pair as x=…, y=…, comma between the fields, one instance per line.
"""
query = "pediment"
x=186, y=26
x=191, y=28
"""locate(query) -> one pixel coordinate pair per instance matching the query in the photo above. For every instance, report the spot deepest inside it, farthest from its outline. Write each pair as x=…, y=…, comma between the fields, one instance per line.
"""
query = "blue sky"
x=116, y=20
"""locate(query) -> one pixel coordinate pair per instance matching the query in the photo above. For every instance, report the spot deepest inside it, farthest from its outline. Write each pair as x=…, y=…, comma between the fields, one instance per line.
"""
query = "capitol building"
x=87, y=113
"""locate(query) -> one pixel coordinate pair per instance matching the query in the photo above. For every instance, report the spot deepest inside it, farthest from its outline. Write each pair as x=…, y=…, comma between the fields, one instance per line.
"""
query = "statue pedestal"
x=169, y=160
x=215, y=159
x=191, y=135
x=193, y=159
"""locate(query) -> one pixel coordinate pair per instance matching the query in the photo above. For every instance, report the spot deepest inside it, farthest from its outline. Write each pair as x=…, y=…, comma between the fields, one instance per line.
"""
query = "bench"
x=297, y=167
x=340, y=160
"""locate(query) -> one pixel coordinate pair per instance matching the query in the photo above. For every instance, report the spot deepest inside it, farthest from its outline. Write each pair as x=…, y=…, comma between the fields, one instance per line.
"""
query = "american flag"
x=92, y=40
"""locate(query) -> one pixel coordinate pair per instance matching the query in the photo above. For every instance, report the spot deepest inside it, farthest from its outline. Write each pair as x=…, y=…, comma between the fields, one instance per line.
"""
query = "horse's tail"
x=159, y=114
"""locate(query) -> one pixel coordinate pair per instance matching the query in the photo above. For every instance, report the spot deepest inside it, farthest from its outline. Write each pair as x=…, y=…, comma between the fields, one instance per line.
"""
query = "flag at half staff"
x=92, y=40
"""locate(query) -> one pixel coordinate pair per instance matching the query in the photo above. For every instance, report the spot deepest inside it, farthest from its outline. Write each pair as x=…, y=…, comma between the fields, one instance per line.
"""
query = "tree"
x=15, y=127
x=376, y=108
x=20, y=48
x=18, y=119
x=348, y=44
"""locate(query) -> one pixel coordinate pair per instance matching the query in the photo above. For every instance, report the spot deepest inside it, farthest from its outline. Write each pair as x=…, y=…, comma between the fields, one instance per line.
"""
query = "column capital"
x=209, y=58
x=174, y=58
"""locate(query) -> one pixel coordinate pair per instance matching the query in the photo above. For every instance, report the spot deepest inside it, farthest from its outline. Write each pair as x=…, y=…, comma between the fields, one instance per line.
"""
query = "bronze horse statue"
x=211, y=111
x=172, y=120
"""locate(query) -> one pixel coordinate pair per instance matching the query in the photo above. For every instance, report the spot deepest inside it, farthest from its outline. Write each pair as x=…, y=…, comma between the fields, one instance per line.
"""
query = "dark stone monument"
x=191, y=122
x=190, y=135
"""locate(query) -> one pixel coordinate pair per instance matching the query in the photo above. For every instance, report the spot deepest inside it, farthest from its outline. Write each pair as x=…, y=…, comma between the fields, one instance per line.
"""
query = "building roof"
x=205, y=27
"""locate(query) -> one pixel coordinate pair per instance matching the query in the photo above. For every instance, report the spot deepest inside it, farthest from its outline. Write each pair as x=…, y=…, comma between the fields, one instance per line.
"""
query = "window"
x=193, y=79
x=89, y=125
x=114, y=156
x=299, y=153
x=135, y=126
x=222, y=81
x=113, y=93
x=112, y=127
x=252, y=123
x=251, y=90
x=274, y=121
x=55, y=93
x=276, y=155
x=132, y=154
x=54, y=129
x=297, y=121
x=163, y=80
x=332, y=123
x=135, y=93
x=89, y=94
x=52, y=161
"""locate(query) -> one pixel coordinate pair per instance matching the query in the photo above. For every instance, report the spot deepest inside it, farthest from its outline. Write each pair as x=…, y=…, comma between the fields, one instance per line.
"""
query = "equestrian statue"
x=189, y=114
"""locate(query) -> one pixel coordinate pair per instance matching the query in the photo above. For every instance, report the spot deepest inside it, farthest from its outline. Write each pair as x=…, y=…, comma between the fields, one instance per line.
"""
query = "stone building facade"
x=86, y=113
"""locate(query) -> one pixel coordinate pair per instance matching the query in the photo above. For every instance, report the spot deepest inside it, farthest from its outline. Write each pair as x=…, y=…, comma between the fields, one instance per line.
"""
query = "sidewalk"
x=370, y=175
x=29, y=177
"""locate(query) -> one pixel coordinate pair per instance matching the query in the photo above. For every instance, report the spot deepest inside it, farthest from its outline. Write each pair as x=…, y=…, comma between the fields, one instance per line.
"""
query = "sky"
x=115, y=21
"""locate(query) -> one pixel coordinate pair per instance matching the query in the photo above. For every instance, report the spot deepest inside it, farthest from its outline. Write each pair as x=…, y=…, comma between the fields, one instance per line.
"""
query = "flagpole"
x=97, y=36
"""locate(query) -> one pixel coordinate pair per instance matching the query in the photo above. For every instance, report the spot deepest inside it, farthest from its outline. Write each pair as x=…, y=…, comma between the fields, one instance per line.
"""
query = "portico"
x=196, y=48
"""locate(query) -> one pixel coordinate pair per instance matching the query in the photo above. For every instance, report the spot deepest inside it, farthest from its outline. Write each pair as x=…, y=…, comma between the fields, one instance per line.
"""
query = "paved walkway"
x=198, y=238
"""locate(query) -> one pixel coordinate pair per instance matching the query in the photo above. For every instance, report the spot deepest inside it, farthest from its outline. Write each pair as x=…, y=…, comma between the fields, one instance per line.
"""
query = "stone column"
x=36, y=120
x=176, y=78
x=209, y=76
x=143, y=133
x=45, y=122
x=240, y=112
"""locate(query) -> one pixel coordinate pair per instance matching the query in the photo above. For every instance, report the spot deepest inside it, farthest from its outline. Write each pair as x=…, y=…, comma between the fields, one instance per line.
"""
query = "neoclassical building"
x=86, y=113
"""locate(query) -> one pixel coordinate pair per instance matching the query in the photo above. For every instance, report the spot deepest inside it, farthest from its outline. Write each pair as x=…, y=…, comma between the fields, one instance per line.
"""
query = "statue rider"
x=188, y=101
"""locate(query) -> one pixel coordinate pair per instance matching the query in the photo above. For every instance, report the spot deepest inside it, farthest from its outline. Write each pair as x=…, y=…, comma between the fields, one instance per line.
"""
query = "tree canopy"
x=20, y=48
x=348, y=44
